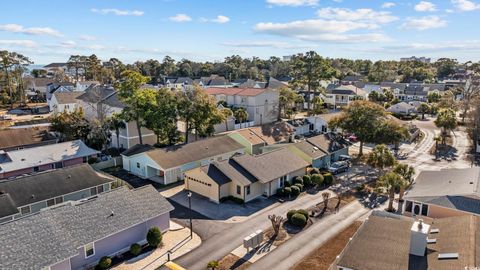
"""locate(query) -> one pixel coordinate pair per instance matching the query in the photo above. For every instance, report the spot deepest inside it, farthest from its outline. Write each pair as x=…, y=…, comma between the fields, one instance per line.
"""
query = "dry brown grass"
x=233, y=262
x=324, y=256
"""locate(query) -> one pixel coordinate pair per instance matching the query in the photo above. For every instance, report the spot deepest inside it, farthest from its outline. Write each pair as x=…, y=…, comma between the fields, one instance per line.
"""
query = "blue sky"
x=49, y=31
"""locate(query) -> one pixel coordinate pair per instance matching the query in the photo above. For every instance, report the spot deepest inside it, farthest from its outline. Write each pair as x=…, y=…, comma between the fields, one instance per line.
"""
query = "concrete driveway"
x=227, y=211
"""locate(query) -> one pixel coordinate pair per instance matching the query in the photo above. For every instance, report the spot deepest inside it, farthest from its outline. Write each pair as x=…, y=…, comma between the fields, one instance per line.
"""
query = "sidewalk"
x=156, y=258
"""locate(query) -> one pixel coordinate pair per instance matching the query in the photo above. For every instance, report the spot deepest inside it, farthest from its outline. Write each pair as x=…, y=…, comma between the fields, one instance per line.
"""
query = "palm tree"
x=390, y=182
x=115, y=124
x=241, y=115
x=226, y=113
x=407, y=173
x=381, y=157
x=213, y=265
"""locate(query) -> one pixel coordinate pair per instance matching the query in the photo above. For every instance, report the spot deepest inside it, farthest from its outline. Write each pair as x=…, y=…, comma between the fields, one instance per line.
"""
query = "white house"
x=168, y=165
x=82, y=86
x=341, y=96
x=402, y=108
x=64, y=101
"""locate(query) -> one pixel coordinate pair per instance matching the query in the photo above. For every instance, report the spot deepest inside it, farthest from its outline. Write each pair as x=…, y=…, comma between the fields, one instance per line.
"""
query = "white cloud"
x=221, y=19
x=180, y=18
x=388, y=5
x=16, y=28
x=424, y=6
x=311, y=27
x=465, y=5
x=464, y=46
x=363, y=14
x=293, y=3
x=118, y=12
x=424, y=23
x=267, y=44
x=68, y=44
x=88, y=37
x=17, y=42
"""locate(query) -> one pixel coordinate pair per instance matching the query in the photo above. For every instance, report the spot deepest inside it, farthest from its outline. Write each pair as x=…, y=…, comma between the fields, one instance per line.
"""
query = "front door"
x=266, y=189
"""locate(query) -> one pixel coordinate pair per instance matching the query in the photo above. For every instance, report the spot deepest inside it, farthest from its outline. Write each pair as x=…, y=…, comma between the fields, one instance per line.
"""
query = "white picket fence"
x=244, y=125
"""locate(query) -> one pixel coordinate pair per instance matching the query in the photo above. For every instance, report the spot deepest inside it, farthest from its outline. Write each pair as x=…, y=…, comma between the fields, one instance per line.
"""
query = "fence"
x=113, y=162
x=244, y=125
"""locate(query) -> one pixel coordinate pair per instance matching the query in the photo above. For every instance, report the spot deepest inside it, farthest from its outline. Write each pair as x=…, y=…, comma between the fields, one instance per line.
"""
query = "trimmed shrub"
x=303, y=212
x=279, y=191
x=290, y=213
x=287, y=191
x=298, y=180
x=104, y=263
x=328, y=179
x=154, y=237
x=288, y=184
x=314, y=171
x=300, y=186
x=213, y=265
x=231, y=198
x=298, y=220
x=317, y=179
x=295, y=190
x=135, y=249
x=92, y=160
x=307, y=180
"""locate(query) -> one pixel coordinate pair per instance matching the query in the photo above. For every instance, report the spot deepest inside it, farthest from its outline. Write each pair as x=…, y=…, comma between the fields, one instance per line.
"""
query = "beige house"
x=445, y=193
x=245, y=176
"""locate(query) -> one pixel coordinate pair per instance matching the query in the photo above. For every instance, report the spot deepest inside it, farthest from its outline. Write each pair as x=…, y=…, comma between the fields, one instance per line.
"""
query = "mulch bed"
x=325, y=255
x=233, y=262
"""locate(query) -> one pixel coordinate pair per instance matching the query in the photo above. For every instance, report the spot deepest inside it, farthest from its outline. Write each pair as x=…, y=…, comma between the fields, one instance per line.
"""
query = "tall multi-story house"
x=261, y=104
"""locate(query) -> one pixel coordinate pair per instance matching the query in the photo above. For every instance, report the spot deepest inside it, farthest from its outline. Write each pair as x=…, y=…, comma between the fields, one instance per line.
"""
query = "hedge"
x=307, y=180
x=154, y=237
x=232, y=198
x=295, y=190
x=287, y=191
x=328, y=179
x=314, y=171
x=290, y=214
x=298, y=180
x=287, y=184
x=300, y=186
x=303, y=212
x=279, y=191
x=298, y=220
x=317, y=179
x=104, y=263
x=135, y=249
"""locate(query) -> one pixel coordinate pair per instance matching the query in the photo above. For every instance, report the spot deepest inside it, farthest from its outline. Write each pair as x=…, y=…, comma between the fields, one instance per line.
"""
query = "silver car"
x=338, y=167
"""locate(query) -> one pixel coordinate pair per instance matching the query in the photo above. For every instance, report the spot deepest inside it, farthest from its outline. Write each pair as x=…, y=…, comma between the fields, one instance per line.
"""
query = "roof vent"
x=471, y=182
x=434, y=230
x=22, y=159
x=69, y=176
x=447, y=256
x=33, y=196
x=431, y=241
x=112, y=214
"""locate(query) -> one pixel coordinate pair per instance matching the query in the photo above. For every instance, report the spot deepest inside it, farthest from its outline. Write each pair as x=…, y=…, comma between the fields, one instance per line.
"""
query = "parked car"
x=6, y=117
x=353, y=138
x=339, y=167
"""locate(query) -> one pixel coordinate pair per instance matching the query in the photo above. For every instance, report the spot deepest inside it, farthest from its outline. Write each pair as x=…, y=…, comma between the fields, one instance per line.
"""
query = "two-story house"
x=341, y=96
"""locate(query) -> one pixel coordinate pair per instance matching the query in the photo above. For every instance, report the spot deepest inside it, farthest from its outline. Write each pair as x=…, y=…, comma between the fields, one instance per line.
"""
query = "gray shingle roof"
x=269, y=166
x=51, y=184
x=328, y=142
x=7, y=206
x=67, y=97
x=53, y=235
x=11, y=138
x=232, y=170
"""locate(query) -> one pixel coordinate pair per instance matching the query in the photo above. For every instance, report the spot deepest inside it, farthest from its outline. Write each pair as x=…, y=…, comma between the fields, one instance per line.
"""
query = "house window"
x=93, y=191
x=58, y=165
x=25, y=210
x=50, y=202
x=138, y=165
x=248, y=190
x=416, y=209
x=408, y=206
x=58, y=200
x=100, y=189
x=84, y=159
x=239, y=190
x=36, y=169
x=424, y=209
x=89, y=250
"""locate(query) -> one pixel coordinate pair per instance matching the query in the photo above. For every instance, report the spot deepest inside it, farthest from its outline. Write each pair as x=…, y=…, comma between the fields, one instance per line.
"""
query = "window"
x=50, y=202
x=100, y=189
x=239, y=190
x=58, y=200
x=424, y=209
x=408, y=206
x=416, y=209
x=89, y=250
x=93, y=191
x=25, y=210
x=58, y=165
x=248, y=190
x=36, y=169
x=84, y=159
x=138, y=165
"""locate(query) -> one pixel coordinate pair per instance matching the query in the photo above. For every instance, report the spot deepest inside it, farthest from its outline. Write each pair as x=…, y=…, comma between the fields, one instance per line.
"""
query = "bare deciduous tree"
x=325, y=196
x=276, y=223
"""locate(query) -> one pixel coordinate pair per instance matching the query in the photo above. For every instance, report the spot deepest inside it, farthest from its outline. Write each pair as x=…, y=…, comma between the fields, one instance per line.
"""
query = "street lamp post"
x=189, y=195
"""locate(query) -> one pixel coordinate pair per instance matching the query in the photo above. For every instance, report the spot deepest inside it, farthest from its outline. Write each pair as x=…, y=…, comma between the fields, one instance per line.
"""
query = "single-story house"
x=395, y=242
x=308, y=125
x=402, y=108
x=322, y=150
x=20, y=138
x=256, y=138
x=444, y=193
x=29, y=194
x=43, y=158
x=167, y=165
x=245, y=176
x=64, y=101
x=75, y=235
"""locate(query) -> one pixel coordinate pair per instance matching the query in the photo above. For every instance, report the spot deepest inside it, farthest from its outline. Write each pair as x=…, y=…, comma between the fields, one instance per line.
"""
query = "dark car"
x=338, y=167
